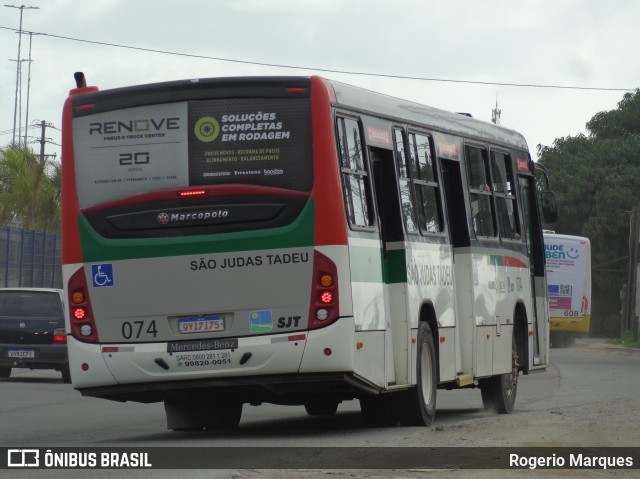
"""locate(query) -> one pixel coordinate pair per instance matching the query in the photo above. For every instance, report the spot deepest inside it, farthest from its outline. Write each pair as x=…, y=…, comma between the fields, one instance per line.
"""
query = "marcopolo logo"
x=165, y=218
x=207, y=129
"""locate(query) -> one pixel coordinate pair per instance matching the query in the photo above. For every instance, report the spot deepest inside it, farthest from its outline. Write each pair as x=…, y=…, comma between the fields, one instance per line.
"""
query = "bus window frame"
x=480, y=190
x=365, y=174
x=407, y=163
x=416, y=181
x=513, y=197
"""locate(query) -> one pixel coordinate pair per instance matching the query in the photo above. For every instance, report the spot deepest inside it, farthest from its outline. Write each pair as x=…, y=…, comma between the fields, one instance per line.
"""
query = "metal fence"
x=29, y=258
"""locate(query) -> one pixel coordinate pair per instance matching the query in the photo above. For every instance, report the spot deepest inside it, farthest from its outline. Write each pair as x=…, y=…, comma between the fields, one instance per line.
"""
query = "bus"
x=568, y=261
x=296, y=241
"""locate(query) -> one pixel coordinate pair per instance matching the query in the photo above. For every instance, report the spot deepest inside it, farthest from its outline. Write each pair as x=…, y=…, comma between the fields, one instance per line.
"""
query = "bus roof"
x=406, y=111
x=347, y=96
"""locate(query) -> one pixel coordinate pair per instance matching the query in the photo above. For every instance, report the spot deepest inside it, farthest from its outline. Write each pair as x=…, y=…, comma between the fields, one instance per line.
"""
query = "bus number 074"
x=135, y=329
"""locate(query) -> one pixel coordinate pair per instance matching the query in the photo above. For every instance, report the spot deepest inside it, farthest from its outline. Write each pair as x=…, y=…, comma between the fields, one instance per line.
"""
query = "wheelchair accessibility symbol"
x=102, y=275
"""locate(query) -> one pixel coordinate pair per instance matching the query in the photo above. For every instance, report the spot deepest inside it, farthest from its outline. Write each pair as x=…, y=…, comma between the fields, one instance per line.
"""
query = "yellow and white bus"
x=296, y=240
x=568, y=261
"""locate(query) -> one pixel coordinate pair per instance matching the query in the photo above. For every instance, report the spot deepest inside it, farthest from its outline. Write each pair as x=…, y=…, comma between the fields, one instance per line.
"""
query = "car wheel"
x=66, y=374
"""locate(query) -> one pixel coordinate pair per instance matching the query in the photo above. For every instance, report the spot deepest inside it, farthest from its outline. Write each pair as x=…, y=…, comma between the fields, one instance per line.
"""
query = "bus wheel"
x=321, y=407
x=203, y=413
x=5, y=372
x=499, y=392
x=227, y=416
x=378, y=411
x=417, y=406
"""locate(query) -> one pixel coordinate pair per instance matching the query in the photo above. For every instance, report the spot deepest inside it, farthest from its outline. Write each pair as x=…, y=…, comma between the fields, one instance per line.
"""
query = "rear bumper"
x=46, y=356
x=277, y=389
x=278, y=368
x=573, y=325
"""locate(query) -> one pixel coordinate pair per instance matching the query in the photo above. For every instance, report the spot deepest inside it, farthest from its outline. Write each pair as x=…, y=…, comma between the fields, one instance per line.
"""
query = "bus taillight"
x=324, y=292
x=83, y=326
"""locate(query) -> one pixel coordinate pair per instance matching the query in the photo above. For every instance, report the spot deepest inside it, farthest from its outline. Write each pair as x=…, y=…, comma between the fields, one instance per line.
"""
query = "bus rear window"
x=254, y=141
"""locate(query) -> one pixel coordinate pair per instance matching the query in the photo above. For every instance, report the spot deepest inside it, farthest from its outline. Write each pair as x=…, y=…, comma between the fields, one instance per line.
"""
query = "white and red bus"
x=296, y=240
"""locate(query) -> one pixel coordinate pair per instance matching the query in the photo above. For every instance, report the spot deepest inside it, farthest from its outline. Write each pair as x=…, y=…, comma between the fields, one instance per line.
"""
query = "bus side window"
x=503, y=188
x=480, y=191
x=354, y=175
x=404, y=178
x=425, y=185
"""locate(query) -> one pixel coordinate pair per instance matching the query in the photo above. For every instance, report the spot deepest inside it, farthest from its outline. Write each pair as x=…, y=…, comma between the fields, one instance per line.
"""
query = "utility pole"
x=26, y=121
x=629, y=321
x=43, y=126
x=15, y=105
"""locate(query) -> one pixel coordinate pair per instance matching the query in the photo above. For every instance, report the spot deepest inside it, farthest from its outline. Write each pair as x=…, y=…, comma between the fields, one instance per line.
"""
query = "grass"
x=628, y=340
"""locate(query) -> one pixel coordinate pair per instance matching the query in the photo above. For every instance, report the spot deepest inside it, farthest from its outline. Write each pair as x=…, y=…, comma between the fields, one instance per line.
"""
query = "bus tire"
x=5, y=372
x=378, y=411
x=499, y=392
x=227, y=417
x=417, y=405
x=221, y=414
x=321, y=407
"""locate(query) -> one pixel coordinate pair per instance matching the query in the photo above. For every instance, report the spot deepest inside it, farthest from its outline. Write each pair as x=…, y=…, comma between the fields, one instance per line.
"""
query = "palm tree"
x=29, y=190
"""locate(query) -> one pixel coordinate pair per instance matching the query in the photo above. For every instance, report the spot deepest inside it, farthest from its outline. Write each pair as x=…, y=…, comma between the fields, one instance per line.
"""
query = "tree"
x=596, y=179
x=29, y=190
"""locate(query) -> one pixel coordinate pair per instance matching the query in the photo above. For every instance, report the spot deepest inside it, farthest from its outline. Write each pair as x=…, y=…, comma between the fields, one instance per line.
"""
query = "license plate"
x=21, y=353
x=204, y=324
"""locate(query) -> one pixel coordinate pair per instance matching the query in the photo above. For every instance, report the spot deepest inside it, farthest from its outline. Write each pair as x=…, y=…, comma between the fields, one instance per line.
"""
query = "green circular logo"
x=207, y=129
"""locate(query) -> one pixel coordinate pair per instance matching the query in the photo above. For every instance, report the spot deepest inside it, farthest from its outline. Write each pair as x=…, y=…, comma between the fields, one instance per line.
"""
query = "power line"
x=325, y=70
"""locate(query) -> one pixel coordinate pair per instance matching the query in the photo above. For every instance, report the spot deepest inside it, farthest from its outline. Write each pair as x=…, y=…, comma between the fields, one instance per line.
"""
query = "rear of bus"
x=568, y=262
x=204, y=241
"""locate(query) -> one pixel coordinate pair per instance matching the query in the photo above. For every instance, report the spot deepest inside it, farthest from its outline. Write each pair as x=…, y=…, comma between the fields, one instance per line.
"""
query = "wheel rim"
x=512, y=377
x=425, y=374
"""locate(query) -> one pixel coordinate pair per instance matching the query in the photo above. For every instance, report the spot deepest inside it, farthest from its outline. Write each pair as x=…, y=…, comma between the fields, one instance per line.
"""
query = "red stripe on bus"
x=514, y=262
x=330, y=222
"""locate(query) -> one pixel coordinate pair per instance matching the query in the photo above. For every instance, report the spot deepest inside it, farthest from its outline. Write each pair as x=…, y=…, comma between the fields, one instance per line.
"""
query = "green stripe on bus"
x=368, y=265
x=298, y=234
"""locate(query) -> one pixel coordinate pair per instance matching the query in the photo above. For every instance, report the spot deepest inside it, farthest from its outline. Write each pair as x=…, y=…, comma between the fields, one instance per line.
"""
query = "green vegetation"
x=628, y=340
x=29, y=190
x=596, y=179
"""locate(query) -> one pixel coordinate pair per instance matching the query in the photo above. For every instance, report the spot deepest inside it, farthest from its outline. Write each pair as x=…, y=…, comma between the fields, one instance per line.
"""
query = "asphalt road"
x=38, y=410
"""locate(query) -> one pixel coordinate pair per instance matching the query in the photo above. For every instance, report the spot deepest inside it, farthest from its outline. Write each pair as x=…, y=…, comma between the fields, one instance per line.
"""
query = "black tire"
x=66, y=375
x=5, y=372
x=378, y=411
x=219, y=414
x=417, y=406
x=227, y=419
x=499, y=392
x=320, y=407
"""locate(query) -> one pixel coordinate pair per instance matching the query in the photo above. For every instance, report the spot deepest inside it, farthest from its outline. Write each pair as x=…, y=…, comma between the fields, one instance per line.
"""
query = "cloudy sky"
x=461, y=54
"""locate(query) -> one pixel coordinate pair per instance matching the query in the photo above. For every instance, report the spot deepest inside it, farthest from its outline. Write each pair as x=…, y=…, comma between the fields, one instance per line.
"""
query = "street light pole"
x=15, y=104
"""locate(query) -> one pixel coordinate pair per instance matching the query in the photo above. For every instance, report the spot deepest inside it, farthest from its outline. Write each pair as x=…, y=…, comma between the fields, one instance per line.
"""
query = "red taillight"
x=59, y=336
x=326, y=297
x=83, y=326
x=324, y=292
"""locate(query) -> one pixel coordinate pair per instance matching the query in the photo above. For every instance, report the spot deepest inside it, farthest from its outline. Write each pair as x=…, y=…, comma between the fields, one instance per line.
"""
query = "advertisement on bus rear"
x=568, y=272
x=255, y=141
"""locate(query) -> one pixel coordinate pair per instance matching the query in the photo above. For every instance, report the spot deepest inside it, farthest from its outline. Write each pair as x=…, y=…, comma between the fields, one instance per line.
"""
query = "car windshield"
x=30, y=304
